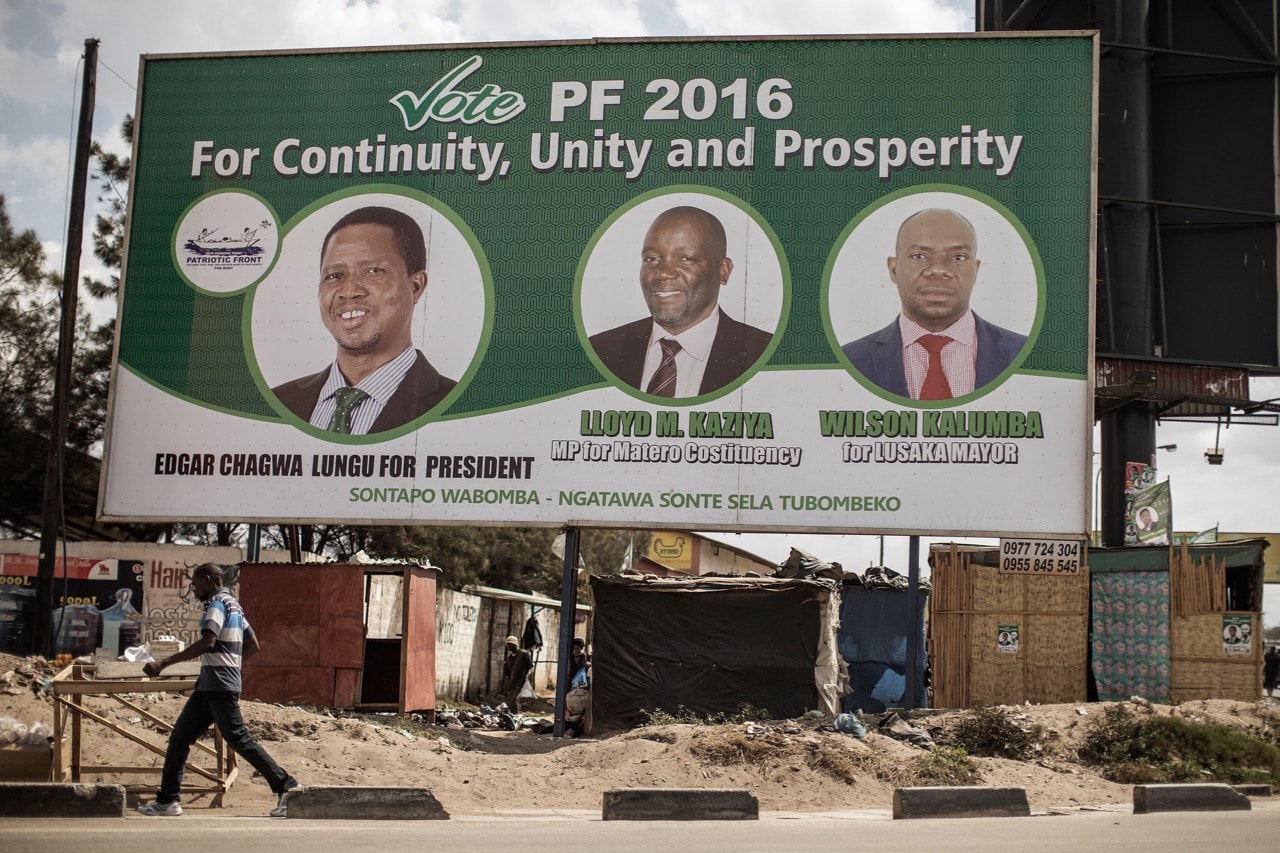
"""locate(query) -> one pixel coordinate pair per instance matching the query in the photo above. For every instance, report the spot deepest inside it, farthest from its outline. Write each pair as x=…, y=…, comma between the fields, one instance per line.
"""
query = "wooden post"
x=568, y=610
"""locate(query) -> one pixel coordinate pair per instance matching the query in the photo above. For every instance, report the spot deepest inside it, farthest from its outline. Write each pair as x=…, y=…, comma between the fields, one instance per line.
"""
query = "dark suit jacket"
x=737, y=346
x=421, y=390
x=878, y=356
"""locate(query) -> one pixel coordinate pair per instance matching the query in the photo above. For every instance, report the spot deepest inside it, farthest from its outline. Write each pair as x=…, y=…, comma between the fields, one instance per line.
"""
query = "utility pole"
x=52, y=521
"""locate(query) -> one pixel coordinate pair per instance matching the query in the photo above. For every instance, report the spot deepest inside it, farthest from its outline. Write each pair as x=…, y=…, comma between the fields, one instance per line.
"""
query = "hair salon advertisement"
x=826, y=284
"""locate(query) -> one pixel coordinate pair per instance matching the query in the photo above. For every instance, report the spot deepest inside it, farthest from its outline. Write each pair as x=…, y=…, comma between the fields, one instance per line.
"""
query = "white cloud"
x=30, y=67
x=36, y=154
x=765, y=17
x=42, y=42
x=1240, y=494
x=33, y=179
x=52, y=255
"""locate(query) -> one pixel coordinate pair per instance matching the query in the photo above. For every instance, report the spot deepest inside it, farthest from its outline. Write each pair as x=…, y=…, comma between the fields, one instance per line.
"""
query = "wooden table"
x=118, y=681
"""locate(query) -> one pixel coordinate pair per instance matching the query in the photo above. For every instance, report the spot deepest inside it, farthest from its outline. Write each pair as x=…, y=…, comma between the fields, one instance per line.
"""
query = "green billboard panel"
x=823, y=284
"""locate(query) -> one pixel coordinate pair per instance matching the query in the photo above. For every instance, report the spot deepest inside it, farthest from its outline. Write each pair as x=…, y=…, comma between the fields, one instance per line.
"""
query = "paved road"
x=568, y=831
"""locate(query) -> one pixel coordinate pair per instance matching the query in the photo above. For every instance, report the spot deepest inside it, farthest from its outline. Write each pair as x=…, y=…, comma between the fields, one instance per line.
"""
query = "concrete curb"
x=1253, y=790
x=680, y=804
x=960, y=801
x=364, y=803
x=1196, y=797
x=53, y=799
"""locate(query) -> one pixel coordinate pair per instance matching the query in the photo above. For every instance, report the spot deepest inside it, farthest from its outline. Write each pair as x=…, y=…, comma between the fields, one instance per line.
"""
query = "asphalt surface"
x=1114, y=828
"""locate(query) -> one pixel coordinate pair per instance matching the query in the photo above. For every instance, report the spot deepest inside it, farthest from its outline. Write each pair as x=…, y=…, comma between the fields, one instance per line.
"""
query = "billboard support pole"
x=253, y=544
x=913, y=638
x=51, y=521
x=568, y=610
x=294, y=537
x=1128, y=434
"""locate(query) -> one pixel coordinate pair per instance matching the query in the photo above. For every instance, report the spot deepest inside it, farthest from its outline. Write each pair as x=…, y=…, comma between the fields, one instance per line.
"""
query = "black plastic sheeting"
x=873, y=642
x=703, y=648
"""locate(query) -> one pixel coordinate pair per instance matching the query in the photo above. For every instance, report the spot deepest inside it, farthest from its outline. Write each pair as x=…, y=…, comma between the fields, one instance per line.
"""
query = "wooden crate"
x=25, y=762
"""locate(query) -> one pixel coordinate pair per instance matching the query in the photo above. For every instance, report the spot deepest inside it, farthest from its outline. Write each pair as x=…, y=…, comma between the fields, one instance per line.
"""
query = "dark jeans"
x=203, y=709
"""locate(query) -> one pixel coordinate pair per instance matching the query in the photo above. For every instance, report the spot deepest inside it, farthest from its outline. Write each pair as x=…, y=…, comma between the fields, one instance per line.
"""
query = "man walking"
x=225, y=638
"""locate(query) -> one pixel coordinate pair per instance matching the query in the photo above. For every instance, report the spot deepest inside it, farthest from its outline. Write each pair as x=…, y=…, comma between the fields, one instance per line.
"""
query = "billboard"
x=1202, y=76
x=614, y=283
x=99, y=604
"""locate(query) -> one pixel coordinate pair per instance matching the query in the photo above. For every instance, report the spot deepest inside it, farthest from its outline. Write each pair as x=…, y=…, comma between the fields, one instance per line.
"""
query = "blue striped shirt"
x=379, y=385
x=220, y=668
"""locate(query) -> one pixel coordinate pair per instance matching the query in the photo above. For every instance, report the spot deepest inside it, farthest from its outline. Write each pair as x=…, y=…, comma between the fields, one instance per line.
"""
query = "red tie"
x=663, y=383
x=935, y=385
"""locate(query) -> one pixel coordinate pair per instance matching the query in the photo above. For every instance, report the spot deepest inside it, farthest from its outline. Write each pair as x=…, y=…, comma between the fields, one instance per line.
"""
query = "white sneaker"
x=282, y=806
x=158, y=809
x=282, y=800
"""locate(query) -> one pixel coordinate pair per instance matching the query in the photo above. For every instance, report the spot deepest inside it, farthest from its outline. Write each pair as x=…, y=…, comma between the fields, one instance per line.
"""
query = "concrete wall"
x=457, y=636
x=384, y=607
x=470, y=631
x=717, y=559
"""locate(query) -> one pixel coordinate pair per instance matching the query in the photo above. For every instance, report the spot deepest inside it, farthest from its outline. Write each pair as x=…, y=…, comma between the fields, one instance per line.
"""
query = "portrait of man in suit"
x=373, y=271
x=937, y=347
x=688, y=345
x=1146, y=519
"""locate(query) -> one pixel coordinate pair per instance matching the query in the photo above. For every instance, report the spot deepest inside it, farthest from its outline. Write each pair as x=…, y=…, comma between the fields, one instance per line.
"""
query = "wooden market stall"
x=210, y=770
x=1169, y=624
x=1173, y=624
x=1004, y=638
x=323, y=642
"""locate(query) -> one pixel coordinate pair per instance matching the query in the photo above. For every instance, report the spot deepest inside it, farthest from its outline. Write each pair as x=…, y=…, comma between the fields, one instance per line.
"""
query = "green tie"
x=347, y=399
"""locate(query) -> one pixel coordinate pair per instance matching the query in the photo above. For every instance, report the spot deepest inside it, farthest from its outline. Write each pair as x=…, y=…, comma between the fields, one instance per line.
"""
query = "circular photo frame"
x=450, y=322
x=225, y=242
x=864, y=303
x=615, y=321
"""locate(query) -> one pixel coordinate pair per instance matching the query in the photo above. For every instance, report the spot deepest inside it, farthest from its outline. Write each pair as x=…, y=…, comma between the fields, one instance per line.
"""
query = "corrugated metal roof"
x=1179, y=391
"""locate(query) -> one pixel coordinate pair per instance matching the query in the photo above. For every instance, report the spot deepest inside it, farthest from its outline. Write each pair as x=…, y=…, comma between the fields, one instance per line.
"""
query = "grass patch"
x=768, y=751
x=1268, y=727
x=683, y=716
x=943, y=765
x=1150, y=748
x=993, y=733
x=840, y=764
x=733, y=747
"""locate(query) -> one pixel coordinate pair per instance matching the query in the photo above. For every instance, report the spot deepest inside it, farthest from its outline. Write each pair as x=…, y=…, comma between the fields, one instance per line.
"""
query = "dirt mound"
x=790, y=765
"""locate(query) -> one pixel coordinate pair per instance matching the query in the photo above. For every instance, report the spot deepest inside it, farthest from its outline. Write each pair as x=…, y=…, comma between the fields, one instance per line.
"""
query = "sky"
x=42, y=42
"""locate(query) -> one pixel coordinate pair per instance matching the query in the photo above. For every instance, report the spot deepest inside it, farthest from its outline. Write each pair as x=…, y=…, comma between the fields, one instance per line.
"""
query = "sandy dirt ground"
x=789, y=765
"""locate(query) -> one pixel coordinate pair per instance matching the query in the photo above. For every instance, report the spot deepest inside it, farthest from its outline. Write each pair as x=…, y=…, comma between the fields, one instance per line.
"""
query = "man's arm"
x=201, y=646
x=249, y=644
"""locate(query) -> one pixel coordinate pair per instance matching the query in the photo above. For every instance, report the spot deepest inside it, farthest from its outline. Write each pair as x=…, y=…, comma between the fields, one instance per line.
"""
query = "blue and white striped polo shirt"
x=220, y=668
